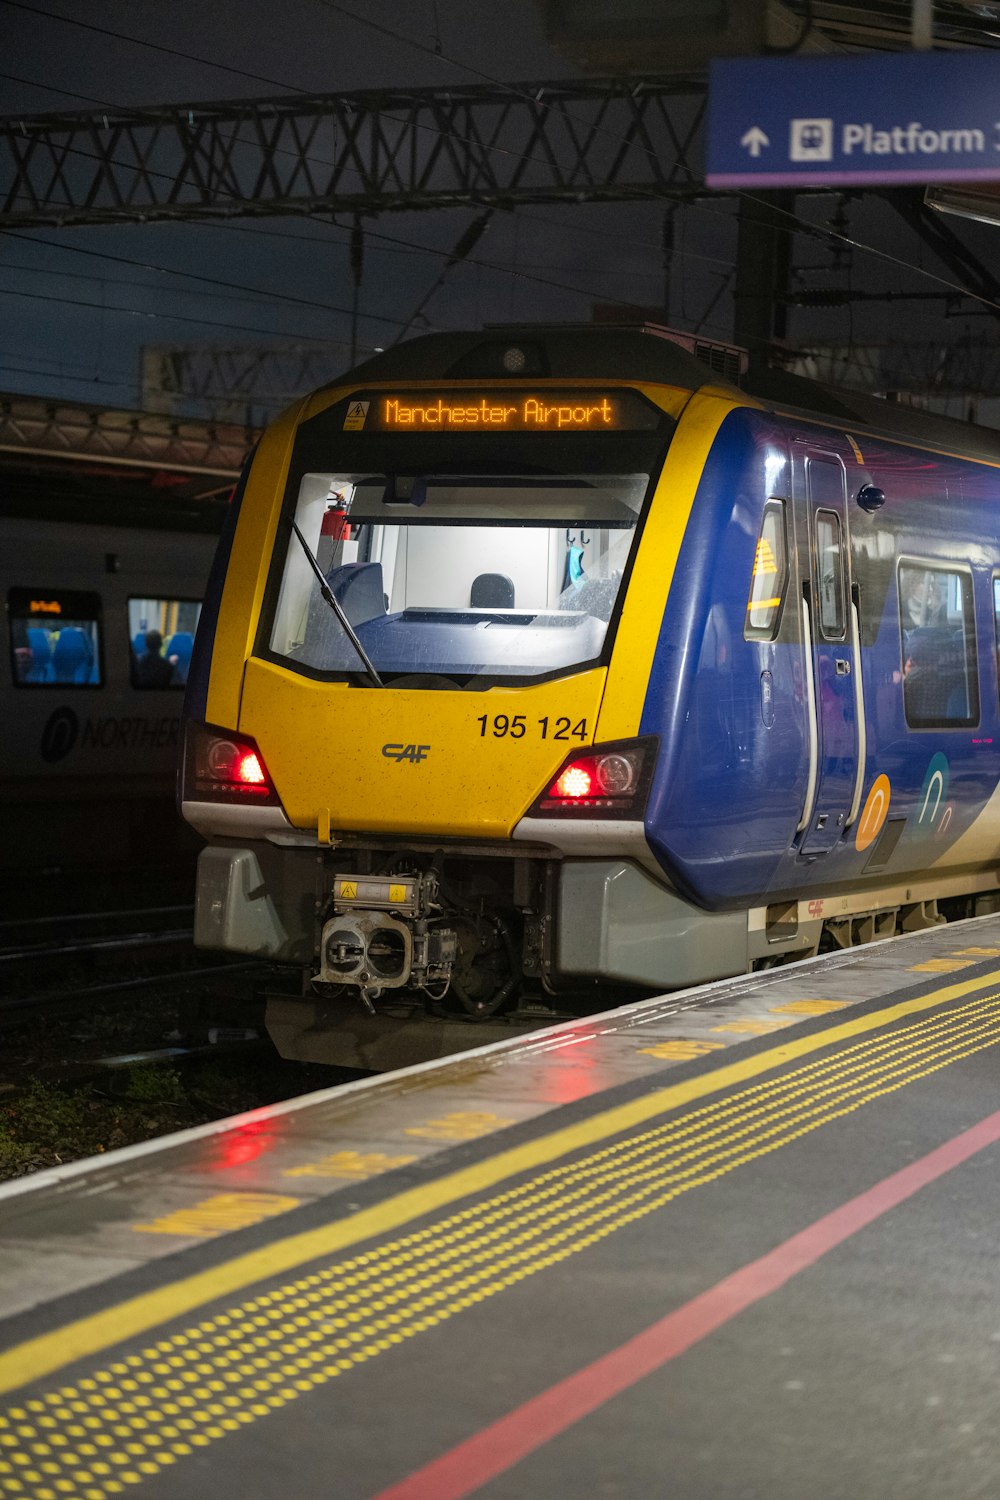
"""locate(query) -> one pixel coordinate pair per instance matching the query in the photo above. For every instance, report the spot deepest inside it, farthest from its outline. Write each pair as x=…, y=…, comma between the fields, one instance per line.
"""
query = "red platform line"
x=504, y=1443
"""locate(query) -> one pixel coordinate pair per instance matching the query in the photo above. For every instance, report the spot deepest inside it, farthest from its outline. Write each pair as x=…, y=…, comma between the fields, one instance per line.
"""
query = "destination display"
x=68, y=603
x=502, y=411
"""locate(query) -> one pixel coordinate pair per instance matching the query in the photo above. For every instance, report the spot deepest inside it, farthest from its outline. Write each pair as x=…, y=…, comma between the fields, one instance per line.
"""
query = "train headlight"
x=224, y=767
x=220, y=759
x=615, y=774
x=610, y=781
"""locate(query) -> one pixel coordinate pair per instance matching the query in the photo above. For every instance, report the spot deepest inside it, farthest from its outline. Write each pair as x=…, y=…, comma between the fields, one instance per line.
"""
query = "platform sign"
x=888, y=118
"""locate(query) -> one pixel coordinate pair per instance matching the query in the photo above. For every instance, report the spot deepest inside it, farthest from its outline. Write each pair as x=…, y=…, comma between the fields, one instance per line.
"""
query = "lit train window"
x=830, y=575
x=161, y=632
x=770, y=575
x=55, y=638
x=938, y=646
x=457, y=574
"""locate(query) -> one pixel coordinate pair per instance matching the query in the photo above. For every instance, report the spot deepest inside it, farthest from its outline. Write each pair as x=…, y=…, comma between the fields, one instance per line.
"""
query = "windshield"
x=461, y=576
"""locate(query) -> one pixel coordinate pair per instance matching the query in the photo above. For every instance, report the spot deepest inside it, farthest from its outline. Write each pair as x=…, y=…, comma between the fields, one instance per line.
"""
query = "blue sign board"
x=891, y=117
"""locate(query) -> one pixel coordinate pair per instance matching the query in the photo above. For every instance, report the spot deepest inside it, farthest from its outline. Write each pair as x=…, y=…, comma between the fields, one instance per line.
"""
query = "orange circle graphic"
x=874, y=813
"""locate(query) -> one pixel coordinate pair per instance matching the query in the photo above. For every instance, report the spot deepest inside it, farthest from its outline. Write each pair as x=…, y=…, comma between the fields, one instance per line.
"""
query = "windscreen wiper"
x=338, y=608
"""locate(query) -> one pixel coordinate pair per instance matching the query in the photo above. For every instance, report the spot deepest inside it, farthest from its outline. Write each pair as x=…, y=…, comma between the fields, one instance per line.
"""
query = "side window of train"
x=55, y=638
x=831, y=610
x=161, y=632
x=770, y=576
x=938, y=645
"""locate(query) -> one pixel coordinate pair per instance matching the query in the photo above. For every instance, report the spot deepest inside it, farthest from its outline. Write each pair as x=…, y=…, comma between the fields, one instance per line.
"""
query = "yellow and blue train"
x=545, y=659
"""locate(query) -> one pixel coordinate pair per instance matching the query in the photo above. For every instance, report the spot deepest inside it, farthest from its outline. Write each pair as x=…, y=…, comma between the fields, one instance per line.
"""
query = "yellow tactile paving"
x=751, y=1028
x=350, y=1164
x=219, y=1214
x=459, y=1125
x=808, y=1007
x=680, y=1049
x=129, y=1419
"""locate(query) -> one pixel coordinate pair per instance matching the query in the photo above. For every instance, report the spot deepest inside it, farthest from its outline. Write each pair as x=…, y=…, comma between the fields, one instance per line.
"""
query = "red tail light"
x=609, y=781
x=575, y=782
x=224, y=767
x=249, y=770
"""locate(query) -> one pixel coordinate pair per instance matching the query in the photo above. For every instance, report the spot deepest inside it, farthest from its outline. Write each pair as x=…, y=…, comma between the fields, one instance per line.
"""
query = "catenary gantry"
x=364, y=152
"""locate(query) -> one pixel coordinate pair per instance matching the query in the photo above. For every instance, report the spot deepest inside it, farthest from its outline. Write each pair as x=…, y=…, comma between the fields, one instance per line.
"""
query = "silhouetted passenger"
x=151, y=669
x=924, y=602
x=928, y=684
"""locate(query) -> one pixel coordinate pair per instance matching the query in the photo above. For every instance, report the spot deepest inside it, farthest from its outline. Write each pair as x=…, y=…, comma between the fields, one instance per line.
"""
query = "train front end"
x=413, y=726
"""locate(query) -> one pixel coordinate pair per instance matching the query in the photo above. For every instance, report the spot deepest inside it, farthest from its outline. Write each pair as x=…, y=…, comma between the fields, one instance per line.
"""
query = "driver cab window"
x=464, y=575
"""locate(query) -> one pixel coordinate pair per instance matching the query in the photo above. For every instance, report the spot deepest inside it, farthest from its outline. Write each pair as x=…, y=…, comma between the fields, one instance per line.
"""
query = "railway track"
x=16, y=1008
x=87, y=931
x=124, y=976
x=114, y=1028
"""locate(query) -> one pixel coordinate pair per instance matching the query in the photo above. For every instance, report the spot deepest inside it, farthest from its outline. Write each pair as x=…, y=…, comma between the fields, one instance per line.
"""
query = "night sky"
x=73, y=324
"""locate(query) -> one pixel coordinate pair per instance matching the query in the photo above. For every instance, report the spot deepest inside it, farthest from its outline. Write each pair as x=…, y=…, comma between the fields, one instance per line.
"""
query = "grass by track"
x=59, y=1104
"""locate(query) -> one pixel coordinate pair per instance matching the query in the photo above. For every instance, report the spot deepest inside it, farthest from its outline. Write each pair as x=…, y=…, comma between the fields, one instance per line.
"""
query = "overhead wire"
x=514, y=89
x=489, y=265
x=199, y=321
x=214, y=281
x=451, y=258
x=121, y=36
x=797, y=222
x=804, y=224
x=293, y=89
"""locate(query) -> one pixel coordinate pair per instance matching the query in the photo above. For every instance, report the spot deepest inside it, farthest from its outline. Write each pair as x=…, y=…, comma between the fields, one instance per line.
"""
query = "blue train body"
x=732, y=713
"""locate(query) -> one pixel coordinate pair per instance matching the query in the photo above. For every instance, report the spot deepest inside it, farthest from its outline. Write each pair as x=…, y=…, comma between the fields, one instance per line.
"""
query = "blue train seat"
x=41, y=655
x=73, y=658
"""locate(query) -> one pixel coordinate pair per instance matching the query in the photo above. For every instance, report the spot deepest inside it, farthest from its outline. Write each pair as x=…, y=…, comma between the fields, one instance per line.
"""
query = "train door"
x=835, y=705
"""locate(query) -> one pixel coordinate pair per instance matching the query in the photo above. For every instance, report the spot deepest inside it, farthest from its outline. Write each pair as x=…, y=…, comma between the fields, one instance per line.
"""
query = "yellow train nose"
x=438, y=763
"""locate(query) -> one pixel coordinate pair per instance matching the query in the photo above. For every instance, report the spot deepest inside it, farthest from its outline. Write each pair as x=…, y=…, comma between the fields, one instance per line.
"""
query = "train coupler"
x=383, y=935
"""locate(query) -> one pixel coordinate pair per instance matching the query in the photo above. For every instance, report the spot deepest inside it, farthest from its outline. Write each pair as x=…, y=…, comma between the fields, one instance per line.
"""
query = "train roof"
x=811, y=399
x=559, y=351
x=648, y=352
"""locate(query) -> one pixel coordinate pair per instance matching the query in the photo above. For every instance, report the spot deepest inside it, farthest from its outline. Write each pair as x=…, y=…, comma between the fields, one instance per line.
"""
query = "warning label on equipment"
x=356, y=413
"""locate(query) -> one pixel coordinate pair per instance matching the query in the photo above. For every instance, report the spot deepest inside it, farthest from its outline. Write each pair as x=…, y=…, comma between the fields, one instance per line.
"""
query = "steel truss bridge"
x=363, y=153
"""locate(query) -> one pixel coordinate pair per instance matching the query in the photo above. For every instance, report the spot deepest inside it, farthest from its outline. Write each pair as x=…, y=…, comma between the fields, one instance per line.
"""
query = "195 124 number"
x=515, y=727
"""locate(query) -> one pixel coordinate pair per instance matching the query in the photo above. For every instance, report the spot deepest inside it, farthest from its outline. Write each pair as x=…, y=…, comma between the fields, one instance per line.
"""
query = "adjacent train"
x=542, y=661
x=102, y=571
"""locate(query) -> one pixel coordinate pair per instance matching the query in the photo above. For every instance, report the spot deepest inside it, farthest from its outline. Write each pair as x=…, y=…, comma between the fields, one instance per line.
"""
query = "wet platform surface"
x=737, y=1242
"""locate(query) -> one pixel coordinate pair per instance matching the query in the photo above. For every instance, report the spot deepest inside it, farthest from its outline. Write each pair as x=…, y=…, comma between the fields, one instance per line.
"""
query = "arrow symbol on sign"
x=755, y=140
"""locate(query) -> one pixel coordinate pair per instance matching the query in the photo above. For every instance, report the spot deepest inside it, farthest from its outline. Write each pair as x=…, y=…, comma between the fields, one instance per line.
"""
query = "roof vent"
x=727, y=360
